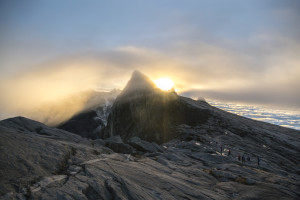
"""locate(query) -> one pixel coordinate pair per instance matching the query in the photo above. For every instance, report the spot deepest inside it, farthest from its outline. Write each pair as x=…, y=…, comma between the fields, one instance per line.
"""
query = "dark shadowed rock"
x=114, y=139
x=144, y=146
x=86, y=125
x=149, y=113
x=28, y=126
x=116, y=144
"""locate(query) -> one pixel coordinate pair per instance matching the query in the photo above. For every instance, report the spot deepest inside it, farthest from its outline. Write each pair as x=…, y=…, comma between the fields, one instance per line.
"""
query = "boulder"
x=144, y=146
x=116, y=144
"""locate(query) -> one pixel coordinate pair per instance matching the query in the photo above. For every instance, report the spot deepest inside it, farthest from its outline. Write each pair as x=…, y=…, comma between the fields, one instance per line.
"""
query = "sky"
x=241, y=51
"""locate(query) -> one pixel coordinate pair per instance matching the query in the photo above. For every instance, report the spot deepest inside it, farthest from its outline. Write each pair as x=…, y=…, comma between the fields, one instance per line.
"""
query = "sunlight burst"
x=164, y=83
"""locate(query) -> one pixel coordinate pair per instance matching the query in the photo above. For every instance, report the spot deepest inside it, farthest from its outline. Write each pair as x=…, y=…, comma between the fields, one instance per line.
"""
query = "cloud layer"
x=286, y=118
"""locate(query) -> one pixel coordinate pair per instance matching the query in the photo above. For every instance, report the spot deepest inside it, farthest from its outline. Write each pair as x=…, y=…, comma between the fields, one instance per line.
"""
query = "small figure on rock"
x=258, y=160
x=239, y=157
x=243, y=158
x=229, y=152
x=221, y=150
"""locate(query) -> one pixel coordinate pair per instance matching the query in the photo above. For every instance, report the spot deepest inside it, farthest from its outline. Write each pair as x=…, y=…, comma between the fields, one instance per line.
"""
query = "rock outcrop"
x=144, y=146
x=145, y=111
x=117, y=145
x=86, y=124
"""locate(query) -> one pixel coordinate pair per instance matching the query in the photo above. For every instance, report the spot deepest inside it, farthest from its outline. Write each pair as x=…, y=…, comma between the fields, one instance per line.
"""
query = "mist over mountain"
x=54, y=113
x=92, y=118
x=148, y=144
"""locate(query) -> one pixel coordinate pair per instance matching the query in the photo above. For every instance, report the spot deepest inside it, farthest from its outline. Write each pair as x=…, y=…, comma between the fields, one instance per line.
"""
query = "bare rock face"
x=22, y=124
x=145, y=111
x=62, y=165
x=30, y=150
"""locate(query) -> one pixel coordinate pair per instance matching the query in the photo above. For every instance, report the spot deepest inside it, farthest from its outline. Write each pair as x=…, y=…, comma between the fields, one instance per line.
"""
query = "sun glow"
x=164, y=83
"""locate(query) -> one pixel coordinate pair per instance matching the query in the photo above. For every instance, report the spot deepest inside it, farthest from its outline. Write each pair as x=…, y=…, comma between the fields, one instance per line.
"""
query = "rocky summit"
x=147, y=112
x=155, y=145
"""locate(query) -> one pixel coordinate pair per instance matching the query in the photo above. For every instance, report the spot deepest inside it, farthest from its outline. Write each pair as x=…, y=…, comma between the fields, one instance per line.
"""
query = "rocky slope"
x=193, y=161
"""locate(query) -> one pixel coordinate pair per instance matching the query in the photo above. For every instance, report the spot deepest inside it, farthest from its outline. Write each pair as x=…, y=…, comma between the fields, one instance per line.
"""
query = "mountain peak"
x=137, y=73
x=137, y=82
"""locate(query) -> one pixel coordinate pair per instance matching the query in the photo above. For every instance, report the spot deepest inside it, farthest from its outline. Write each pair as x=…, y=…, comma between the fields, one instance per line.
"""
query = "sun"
x=164, y=84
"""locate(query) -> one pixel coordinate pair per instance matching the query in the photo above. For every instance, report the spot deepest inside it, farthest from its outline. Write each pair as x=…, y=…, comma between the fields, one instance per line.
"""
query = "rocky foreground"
x=174, y=156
